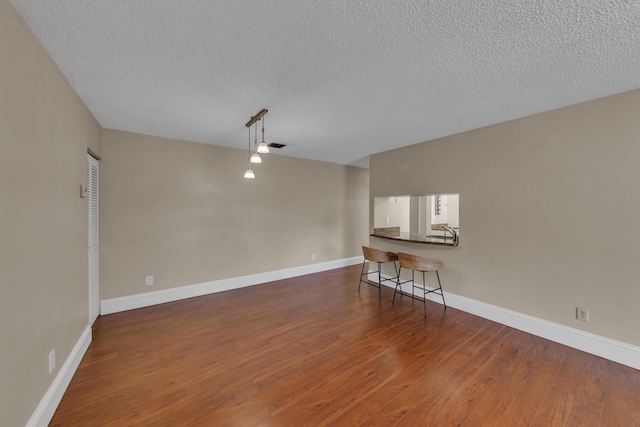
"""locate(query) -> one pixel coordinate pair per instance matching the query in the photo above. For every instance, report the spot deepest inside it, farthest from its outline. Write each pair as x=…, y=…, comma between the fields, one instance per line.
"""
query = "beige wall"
x=541, y=231
x=397, y=209
x=179, y=211
x=183, y=213
x=45, y=130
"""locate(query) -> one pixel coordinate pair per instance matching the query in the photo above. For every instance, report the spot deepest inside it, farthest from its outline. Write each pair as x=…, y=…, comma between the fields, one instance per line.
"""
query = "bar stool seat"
x=423, y=265
x=380, y=257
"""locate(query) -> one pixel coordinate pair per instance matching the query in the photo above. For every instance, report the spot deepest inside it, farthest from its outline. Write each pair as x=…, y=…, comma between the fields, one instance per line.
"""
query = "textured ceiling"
x=341, y=79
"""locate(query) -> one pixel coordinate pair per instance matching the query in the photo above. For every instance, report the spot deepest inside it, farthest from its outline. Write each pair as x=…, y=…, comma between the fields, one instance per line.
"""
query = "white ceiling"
x=342, y=79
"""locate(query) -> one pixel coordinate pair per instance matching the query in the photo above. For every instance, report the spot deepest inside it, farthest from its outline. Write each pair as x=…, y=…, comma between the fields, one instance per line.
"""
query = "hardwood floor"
x=312, y=351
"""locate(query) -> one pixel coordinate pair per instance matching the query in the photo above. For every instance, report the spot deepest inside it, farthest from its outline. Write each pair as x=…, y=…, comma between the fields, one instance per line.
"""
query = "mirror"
x=417, y=217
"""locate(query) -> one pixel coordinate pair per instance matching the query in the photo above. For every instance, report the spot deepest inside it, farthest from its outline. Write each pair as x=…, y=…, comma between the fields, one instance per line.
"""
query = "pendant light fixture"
x=255, y=157
x=249, y=173
x=262, y=148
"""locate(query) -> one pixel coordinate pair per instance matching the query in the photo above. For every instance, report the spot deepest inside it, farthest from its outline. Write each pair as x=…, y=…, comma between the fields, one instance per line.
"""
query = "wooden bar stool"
x=422, y=264
x=376, y=255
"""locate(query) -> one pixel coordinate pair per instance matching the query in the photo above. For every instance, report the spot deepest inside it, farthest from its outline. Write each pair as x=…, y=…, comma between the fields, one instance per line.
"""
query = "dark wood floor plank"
x=366, y=375
x=436, y=371
x=557, y=404
x=443, y=389
x=589, y=398
x=526, y=402
x=620, y=399
x=427, y=386
x=470, y=393
x=514, y=387
x=511, y=348
x=428, y=395
x=314, y=351
x=442, y=343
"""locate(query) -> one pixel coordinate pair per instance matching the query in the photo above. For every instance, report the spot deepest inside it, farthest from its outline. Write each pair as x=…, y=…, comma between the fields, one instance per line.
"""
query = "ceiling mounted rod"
x=256, y=117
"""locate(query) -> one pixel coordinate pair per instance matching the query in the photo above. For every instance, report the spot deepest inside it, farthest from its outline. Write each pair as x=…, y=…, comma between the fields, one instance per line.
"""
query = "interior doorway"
x=93, y=181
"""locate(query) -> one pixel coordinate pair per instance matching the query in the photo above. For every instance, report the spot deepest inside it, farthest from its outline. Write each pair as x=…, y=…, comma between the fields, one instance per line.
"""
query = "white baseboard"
x=116, y=305
x=617, y=351
x=47, y=406
x=623, y=353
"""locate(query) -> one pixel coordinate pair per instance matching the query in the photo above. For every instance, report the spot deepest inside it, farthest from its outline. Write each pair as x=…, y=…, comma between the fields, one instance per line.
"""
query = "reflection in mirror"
x=433, y=217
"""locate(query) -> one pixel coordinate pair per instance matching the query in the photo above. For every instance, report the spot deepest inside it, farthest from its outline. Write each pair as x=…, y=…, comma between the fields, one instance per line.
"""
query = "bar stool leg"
x=379, y=281
x=398, y=270
x=424, y=294
x=413, y=284
x=361, y=274
x=441, y=291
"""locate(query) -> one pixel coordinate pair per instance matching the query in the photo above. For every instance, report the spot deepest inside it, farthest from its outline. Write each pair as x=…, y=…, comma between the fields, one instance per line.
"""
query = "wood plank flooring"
x=313, y=351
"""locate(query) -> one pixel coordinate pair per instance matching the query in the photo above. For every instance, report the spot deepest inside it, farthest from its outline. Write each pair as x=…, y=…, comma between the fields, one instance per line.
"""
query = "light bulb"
x=255, y=158
x=263, y=148
x=249, y=174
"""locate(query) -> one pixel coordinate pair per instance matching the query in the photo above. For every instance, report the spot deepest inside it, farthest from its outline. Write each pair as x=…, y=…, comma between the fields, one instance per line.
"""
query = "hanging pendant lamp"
x=255, y=157
x=263, y=148
x=249, y=173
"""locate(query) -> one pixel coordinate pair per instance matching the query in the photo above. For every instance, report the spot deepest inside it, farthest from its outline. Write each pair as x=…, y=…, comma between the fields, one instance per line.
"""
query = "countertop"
x=418, y=238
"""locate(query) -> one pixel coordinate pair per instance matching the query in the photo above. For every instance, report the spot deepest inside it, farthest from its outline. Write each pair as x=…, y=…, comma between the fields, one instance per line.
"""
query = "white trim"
x=617, y=351
x=116, y=305
x=51, y=399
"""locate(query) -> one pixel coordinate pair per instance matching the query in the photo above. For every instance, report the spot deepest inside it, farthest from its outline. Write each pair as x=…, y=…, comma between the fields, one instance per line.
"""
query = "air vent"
x=276, y=145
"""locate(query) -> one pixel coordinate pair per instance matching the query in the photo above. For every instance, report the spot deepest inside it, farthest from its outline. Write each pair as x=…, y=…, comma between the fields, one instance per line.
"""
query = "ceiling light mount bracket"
x=256, y=117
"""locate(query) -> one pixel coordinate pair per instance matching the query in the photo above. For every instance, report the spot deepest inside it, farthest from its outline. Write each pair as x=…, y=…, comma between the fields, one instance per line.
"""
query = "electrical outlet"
x=313, y=257
x=149, y=281
x=52, y=360
x=582, y=314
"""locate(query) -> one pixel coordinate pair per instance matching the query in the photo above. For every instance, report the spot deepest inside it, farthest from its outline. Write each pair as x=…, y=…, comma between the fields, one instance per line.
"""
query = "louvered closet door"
x=93, y=181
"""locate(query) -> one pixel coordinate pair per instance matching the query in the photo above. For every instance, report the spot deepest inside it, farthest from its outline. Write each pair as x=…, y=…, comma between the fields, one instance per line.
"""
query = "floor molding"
x=613, y=350
x=51, y=399
x=617, y=351
x=116, y=305
x=607, y=348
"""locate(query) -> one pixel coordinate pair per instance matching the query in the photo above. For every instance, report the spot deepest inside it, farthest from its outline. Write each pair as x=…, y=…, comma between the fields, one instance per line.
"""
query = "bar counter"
x=418, y=238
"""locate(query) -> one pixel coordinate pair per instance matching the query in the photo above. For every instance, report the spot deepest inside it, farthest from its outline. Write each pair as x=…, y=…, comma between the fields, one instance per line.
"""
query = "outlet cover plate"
x=582, y=314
